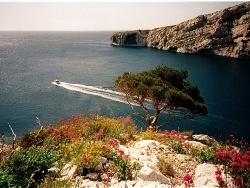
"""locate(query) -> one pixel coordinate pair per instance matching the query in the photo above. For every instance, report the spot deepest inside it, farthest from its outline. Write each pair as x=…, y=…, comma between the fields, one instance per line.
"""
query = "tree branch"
x=41, y=127
x=14, y=140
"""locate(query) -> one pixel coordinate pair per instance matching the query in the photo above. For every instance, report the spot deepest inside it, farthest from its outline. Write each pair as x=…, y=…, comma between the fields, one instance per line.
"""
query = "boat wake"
x=94, y=90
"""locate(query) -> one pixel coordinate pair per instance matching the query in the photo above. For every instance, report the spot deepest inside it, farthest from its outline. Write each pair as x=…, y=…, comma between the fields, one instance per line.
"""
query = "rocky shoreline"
x=223, y=33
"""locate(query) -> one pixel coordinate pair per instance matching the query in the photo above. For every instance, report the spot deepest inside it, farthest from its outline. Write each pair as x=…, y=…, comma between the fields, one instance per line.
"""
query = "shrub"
x=123, y=167
x=237, y=164
x=6, y=179
x=175, y=140
x=82, y=153
x=150, y=135
x=29, y=166
x=93, y=128
x=35, y=138
x=165, y=167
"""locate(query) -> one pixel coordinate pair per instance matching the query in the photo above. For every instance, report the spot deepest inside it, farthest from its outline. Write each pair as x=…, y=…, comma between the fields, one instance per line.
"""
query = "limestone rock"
x=205, y=139
x=223, y=33
x=68, y=170
x=149, y=174
x=139, y=184
x=131, y=38
x=195, y=144
x=205, y=176
x=93, y=184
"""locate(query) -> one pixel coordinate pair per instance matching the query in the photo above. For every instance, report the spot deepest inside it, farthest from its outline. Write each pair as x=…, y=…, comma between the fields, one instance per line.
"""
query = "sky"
x=101, y=15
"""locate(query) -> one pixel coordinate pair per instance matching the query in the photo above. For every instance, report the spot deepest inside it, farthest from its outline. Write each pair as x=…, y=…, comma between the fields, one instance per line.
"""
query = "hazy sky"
x=80, y=16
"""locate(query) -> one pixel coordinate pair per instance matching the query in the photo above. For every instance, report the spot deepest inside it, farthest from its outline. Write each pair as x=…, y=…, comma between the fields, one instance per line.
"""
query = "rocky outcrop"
x=147, y=153
x=224, y=33
x=130, y=38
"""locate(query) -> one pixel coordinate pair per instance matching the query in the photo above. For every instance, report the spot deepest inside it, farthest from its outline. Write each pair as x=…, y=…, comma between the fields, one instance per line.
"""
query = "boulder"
x=153, y=174
x=68, y=170
x=205, y=176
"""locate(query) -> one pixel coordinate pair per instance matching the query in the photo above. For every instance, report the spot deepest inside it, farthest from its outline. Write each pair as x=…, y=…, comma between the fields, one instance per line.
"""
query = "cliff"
x=224, y=33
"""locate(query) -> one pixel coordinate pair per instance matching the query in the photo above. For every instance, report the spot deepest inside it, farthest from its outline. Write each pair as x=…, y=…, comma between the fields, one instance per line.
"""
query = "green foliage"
x=126, y=170
x=166, y=89
x=177, y=146
x=29, y=166
x=6, y=179
x=204, y=155
x=123, y=167
x=56, y=183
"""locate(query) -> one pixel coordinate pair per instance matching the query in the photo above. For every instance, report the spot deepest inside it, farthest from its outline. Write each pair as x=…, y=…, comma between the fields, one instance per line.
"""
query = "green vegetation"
x=165, y=167
x=162, y=91
x=79, y=140
x=84, y=141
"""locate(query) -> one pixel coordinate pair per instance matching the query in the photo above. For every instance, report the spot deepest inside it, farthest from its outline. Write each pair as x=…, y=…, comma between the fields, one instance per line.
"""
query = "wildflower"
x=219, y=179
x=187, y=179
x=218, y=172
x=85, y=159
x=235, y=164
x=113, y=143
x=236, y=156
x=237, y=181
x=247, y=153
x=120, y=152
x=244, y=164
x=98, y=134
x=104, y=147
x=222, y=155
x=245, y=157
x=58, y=137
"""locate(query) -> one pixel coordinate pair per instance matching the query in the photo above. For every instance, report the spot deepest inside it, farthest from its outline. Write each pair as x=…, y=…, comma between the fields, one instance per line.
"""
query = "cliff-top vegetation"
x=87, y=141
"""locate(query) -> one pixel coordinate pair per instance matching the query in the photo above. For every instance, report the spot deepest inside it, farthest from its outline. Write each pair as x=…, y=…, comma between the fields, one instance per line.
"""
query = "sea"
x=87, y=66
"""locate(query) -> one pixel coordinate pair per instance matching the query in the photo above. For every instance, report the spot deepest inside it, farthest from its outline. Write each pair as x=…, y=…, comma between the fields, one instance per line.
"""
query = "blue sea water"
x=30, y=61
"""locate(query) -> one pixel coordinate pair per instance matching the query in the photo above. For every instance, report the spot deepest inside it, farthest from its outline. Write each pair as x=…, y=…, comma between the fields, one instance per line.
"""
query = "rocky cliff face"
x=224, y=33
x=130, y=38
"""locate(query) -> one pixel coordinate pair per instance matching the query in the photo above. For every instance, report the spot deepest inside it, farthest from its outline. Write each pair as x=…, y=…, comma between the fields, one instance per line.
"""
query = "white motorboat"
x=57, y=81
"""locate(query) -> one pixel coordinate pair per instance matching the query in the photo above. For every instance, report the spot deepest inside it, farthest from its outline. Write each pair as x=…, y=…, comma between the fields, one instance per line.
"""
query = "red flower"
x=244, y=164
x=58, y=137
x=113, y=143
x=188, y=179
x=222, y=155
x=85, y=159
x=235, y=164
x=218, y=172
x=104, y=147
x=219, y=180
x=237, y=181
x=247, y=153
x=98, y=134
x=120, y=152
x=236, y=156
x=246, y=157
